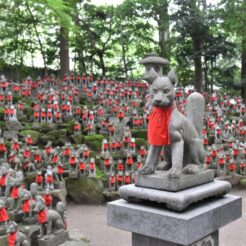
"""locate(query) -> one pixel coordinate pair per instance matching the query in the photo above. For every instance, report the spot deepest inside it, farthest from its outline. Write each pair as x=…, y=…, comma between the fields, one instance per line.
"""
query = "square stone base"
x=186, y=228
x=160, y=181
x=140, y=240
x=54, y=240
x=73, y=175
x=177, y=201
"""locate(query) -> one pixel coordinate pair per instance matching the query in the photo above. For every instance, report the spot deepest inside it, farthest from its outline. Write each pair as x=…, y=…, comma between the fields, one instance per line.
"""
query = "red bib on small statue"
x=42, y=216
x=11, y=239
x=158, y=132
x=3, y=215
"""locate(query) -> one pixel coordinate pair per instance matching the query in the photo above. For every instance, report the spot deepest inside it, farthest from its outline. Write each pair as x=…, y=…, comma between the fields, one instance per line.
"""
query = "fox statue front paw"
x=174, y=173
x=146, y=170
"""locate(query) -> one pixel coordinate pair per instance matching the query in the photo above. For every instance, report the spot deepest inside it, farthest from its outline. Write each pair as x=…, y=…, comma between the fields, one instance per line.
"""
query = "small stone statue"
x=92, y=168
x=28, y=204
x=49, y=180
x=48, y=199
x=39, y=179
x=4, y=217
x=15, y=237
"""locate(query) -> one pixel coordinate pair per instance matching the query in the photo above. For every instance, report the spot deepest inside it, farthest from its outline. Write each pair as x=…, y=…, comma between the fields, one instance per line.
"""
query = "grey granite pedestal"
x=155, y=226
x=177, y=201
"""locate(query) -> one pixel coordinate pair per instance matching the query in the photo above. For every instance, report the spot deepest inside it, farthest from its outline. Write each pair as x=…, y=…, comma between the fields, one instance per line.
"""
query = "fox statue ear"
x=173, y=77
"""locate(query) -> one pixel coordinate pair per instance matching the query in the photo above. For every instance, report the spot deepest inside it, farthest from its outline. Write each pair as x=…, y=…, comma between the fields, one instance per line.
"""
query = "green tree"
x=234, y=17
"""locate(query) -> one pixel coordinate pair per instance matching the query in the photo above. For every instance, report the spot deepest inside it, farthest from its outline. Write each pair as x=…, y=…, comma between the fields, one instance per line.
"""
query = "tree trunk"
x=197, y=63
x=102, y=64
x=38, y=37
x=243, y=70
x=206, y=85
x=163, y=28
x=82, y=67
x=64, y=52
x=123, y=51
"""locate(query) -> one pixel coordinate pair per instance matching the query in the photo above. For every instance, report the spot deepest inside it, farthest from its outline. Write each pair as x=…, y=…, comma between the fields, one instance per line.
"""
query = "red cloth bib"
x=42, y=216
x=48, y=199
x=3, y=215
x=158, y=132
x=26, y=206
x=3, y=180
x=15, y=192
x=12, y=239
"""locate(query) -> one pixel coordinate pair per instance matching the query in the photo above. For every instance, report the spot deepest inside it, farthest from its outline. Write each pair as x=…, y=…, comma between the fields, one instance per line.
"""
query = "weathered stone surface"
x=34, y=134
x=13, y=125
x=32, y=232
x=141, y=240
x=60, y=194
x=183, y=228
x=54, y=239
x=234, y=179
x=3, y=240
x=159, y=180
x=85, y=190
x=9, y=135
x=74, y=243
x=177, y=201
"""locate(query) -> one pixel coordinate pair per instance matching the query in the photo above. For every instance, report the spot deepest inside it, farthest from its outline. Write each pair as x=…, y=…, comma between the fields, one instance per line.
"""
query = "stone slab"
x=184, y=228
x=160, y=181
x=74, y=243
x=141, y=240
x=54, y=240
x=177, y=201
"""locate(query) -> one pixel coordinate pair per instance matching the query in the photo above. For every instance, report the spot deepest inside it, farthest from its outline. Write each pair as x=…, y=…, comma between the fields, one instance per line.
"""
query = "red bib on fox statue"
x=158, y=128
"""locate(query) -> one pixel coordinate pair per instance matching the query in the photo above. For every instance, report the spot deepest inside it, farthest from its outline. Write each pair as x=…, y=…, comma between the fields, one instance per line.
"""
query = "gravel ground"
x=89, y=223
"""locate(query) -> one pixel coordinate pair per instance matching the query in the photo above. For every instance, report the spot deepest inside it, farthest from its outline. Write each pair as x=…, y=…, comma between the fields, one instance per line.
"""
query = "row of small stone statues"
x=28, y=207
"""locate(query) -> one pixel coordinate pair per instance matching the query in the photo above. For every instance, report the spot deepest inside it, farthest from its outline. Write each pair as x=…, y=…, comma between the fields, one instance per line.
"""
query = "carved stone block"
x=160, y=181
x=54, y=239
x=177, y=201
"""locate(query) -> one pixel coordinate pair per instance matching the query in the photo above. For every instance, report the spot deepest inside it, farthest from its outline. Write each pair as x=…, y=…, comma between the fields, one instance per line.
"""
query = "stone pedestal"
x=179, y=200
x=154, y=225
x=54, y=240
x=160, y=181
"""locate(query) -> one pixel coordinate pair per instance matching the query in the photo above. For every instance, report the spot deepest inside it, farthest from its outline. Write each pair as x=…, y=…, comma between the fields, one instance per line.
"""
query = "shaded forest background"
x=205, y=43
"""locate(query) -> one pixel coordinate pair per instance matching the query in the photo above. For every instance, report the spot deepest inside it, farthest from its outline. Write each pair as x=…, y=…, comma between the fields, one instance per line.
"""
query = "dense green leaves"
x=204, y=43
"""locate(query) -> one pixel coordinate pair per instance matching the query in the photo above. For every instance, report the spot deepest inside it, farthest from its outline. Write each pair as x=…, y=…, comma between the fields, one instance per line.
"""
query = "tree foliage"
x=203, y=42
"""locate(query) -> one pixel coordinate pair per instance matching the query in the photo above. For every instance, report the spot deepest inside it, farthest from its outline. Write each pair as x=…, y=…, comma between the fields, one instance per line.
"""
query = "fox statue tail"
x=196, y=110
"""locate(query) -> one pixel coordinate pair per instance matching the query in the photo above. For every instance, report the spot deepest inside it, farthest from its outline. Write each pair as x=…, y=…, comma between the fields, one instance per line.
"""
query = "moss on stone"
x=242, y=182
x=34, y=134
x=28, y=111
x=77, y=139
x=2, y=124
x=85, y=190
x=139, y=133
x=94, y=141
x=1, y=113
x=141, y=141
x=69, y=127
x=47, y=127
x=57, y=137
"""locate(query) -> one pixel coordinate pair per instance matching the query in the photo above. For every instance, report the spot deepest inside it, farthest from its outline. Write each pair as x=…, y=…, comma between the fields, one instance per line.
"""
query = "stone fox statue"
x=180, y=135
x=50, y=220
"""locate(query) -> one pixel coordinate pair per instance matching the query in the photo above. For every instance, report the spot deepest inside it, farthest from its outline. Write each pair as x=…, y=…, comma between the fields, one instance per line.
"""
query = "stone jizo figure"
x=4, y=217
x=179, y=134
x=15, y=237
x=28, y=204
